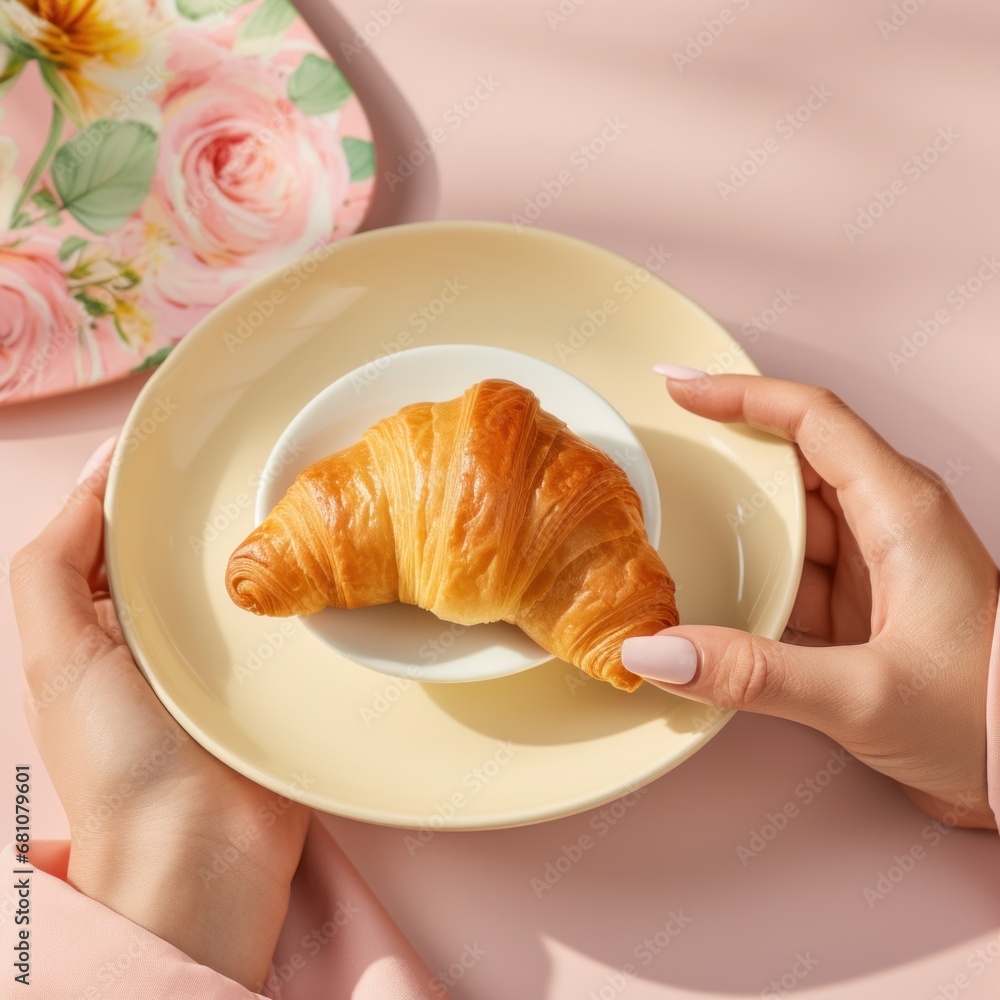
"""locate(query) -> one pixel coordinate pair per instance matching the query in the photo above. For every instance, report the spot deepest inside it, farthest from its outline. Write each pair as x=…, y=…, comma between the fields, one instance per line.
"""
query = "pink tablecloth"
x=823, y=177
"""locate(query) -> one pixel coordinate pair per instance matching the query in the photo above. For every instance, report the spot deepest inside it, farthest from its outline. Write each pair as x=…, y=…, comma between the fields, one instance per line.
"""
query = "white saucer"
x=403, y=640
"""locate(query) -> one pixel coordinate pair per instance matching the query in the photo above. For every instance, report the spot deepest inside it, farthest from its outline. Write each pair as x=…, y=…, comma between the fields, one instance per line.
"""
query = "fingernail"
x=681, y=372
x=661, y=658
x=98, y=458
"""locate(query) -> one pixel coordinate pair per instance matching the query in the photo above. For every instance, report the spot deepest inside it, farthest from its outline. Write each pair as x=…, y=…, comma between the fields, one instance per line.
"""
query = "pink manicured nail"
x=99, y=457
x=681, y=372
x=661, y=658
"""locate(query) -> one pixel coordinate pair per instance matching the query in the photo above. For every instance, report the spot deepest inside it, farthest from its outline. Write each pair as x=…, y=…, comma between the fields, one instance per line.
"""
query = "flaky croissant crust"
x=482, y=508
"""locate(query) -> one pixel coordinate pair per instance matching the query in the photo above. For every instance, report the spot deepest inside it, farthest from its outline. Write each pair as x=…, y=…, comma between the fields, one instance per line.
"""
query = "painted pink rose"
x=38, y=317
x=245, y=180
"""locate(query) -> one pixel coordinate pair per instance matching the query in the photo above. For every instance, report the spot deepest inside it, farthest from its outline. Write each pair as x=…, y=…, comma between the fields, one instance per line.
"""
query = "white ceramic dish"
x=399, y=639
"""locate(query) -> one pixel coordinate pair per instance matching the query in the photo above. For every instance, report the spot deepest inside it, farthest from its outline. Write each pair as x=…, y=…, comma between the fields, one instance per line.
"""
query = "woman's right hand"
x=161, y=831
x=889, y=642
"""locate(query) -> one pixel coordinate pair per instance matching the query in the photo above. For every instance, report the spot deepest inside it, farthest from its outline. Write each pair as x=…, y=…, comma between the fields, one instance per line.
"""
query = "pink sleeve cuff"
x=78, y=949
x=337, y=940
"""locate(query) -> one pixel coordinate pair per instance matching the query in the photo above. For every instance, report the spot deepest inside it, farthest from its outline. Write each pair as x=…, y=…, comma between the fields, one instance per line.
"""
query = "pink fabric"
x=993, y=723
x=337, y=942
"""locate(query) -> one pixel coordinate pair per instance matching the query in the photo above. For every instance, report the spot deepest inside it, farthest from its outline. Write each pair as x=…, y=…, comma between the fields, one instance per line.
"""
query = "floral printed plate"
x=156, y=156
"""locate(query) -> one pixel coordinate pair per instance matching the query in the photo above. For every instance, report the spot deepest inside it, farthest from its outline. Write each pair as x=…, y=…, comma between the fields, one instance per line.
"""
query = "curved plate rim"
x=389, y=817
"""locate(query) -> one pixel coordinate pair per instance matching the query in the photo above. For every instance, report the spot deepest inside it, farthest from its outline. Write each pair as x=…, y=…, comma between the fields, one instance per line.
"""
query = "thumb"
x=820, y=686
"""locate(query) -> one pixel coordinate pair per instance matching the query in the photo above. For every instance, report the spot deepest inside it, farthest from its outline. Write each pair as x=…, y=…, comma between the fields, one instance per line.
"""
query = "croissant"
x=483, y=508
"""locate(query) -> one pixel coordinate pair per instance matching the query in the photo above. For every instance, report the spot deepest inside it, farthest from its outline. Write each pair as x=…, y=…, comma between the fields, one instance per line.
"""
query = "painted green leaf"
x=69, y=246
x=194, y=10
x=103, y=174
x=317, y=86
x=265, y=27
x=360, y=158
x=122, y=336
x=50, y=207
x=21, y=49
x=11, y=71
x=127, y=279
x=94, y=307
x=45, y=200
x=155, y=359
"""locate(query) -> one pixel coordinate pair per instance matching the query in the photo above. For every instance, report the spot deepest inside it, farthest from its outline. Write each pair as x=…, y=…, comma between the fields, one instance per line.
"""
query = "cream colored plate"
x=278, y=705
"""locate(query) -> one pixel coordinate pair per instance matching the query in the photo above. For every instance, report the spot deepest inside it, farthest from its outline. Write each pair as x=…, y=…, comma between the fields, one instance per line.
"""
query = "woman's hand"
x=889, y=641
x=161, y=831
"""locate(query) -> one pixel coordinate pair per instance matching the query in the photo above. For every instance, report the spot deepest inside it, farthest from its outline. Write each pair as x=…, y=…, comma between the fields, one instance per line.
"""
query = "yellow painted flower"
x=108, y=285
x=148, y=247
x=98, y=49
x=134, y=323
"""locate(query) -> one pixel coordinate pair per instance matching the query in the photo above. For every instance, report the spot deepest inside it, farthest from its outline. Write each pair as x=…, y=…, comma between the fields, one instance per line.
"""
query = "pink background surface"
x=676, y=849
